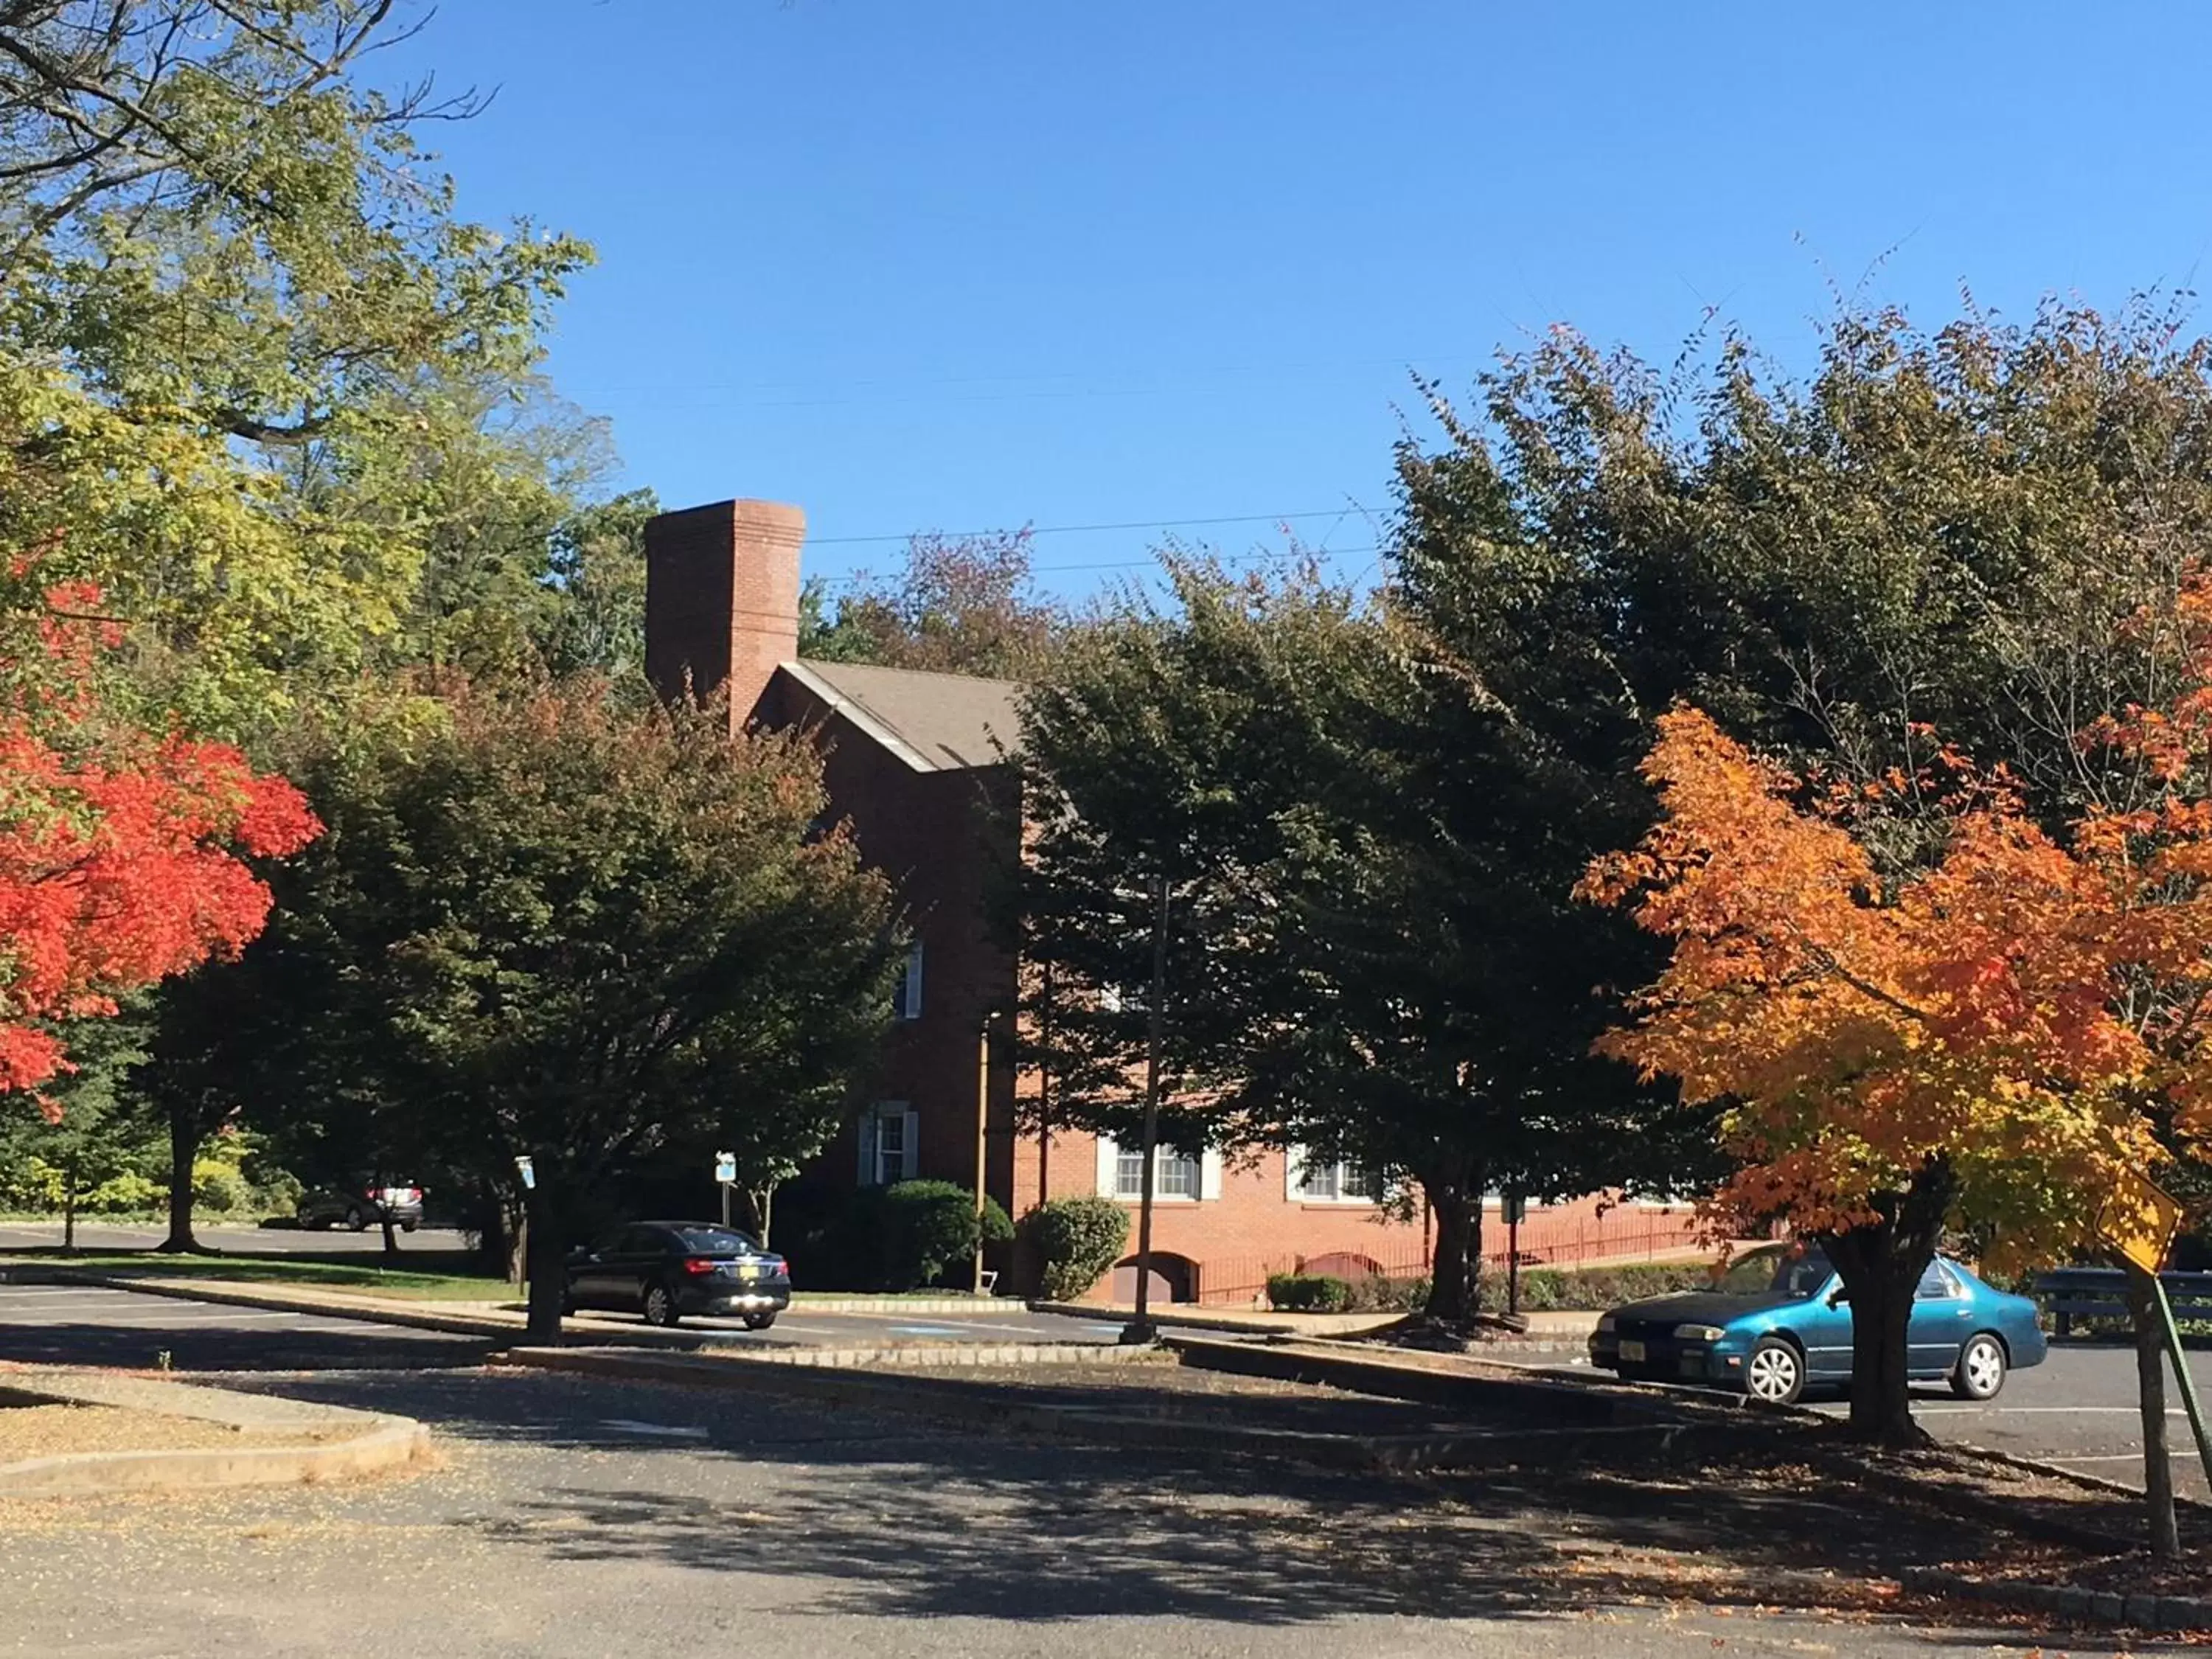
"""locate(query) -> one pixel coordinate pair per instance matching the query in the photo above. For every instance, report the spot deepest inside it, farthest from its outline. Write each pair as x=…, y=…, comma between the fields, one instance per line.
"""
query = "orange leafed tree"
x=120, y=847
x=1978, y=1043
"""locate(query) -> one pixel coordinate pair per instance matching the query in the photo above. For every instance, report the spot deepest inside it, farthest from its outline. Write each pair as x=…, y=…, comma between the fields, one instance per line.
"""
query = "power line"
x=1080, y=529
x=1275, y=554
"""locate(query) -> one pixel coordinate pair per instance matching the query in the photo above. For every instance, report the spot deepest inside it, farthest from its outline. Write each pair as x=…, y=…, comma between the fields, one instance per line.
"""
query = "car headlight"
x=1699, y=1333
x=1605, y=1322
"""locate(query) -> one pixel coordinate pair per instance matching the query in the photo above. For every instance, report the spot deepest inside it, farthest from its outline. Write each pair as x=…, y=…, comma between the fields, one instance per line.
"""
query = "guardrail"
x=2072, y=1293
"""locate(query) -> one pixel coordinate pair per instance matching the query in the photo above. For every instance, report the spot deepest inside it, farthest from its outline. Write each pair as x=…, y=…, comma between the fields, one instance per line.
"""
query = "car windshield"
x=1780, y=1270
x=715, y=1241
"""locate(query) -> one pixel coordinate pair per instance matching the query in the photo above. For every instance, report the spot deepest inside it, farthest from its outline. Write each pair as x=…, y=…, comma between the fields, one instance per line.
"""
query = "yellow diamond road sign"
x=2139, y=1219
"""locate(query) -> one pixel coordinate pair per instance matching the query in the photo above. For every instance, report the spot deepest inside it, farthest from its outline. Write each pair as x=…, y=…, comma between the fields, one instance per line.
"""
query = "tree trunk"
x=1456, y=1263
x=548, y=1269
x=1881, y=1264
x=390, y=1236
x=2150, y=1393
x=68, y=1208
x=184, y=1138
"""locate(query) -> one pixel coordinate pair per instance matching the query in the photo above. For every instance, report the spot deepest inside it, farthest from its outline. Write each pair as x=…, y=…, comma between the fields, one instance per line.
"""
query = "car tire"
x=355, y=1221
x=759, y=1322
x=660, y=1307
x=1774, y=1373
x=409, y=1226
x=310, y=1224
x=1980, y=1371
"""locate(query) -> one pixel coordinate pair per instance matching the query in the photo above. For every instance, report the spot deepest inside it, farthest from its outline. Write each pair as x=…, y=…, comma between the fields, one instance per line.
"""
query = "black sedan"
x=666, y=1269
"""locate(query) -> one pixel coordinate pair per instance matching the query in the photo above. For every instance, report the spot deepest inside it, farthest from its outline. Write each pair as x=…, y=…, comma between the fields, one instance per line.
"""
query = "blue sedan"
x=1776, y=1324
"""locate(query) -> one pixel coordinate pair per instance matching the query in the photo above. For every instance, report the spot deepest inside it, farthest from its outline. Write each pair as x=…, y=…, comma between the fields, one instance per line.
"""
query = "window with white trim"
x=1340, y=1182
x=888, y=1135
x=906, y=995
x=1175, y=1175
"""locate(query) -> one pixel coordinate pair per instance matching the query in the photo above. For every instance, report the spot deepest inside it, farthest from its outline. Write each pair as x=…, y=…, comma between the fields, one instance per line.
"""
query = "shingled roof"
x=934, y=722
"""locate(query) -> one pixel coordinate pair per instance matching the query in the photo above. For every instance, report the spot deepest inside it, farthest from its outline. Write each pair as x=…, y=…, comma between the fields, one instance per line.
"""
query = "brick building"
x=915, y=762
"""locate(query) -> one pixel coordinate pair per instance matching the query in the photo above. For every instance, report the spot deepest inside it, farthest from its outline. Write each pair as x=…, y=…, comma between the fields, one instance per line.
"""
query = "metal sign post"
x=528, y=1171
x=1516, y=1208
x=2188, y=1399
x=2138, y=1220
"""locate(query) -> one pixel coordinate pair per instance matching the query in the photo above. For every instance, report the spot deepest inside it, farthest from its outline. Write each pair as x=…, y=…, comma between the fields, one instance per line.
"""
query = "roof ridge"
x=892, y=668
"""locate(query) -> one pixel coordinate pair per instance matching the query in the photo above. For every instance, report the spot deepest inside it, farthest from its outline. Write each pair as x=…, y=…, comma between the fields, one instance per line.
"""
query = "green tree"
x=595, y=570
x=93, y=1138
x=221, y=245
x=960, y=605
x=1374, y=953
x=568, y=930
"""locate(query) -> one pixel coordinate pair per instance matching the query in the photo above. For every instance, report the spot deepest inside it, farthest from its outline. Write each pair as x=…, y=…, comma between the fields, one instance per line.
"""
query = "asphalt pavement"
x=575, y=1518
x=69, y=1324
x=99, y=1236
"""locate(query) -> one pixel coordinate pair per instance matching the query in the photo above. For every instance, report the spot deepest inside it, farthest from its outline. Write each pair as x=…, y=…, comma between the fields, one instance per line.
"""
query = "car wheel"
x=356, y=1220
x=759, y=1322
x=660, y=1307
x=1980, y=1371
x=1775, y=1372
x=409, y=1226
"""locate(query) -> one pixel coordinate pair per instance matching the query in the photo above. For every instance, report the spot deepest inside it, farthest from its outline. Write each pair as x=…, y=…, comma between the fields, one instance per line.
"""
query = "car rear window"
x=715, y=1241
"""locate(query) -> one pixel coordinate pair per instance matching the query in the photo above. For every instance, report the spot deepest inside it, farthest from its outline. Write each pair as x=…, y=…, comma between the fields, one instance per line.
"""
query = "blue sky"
x=961, y=263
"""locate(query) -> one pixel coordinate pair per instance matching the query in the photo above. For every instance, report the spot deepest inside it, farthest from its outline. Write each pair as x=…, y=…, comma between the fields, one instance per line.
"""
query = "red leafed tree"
x=120, y=848
x=1983, y=1042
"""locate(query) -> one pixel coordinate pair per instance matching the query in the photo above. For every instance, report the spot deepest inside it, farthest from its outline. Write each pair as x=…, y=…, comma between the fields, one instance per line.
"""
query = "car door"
x=643, y=1261
x=592, y=1279
x=1823, y=1326
x=1941, y=1319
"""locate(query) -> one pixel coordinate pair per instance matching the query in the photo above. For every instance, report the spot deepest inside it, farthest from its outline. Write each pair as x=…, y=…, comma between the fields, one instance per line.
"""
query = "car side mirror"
x=1839, y=1296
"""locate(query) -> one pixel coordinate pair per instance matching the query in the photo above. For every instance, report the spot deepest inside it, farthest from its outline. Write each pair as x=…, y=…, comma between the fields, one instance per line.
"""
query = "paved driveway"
x=99, y=1236
x=68, y=1324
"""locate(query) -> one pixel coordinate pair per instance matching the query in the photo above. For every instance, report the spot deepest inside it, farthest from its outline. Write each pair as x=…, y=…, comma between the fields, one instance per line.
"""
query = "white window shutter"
x=910, y=1153
x=1294, y=1173
x=1109, y=1164
x=1209, y=1174
x=913, y=1009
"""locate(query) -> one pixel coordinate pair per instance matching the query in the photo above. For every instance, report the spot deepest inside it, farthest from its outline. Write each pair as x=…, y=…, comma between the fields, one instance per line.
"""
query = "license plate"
x=746, y=1270
x=1633, y=1352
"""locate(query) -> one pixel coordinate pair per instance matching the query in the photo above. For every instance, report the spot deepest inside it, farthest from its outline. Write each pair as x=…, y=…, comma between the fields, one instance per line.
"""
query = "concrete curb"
x=2139, y=1612
x=376, y=1443
x=1559, y=1399
x=995, y=1411
x=1255, y=1324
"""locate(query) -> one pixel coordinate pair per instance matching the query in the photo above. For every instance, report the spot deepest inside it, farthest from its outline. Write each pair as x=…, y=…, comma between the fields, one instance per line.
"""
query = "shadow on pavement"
x=897, y=1517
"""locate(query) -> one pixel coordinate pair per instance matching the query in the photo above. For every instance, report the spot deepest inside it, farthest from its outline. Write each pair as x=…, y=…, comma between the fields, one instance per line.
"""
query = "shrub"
x=218, y=1187
x=124, y=1194
x=1308, y=1293
x=929, y=1225
x=1594, y=1289
x=1075, y=1240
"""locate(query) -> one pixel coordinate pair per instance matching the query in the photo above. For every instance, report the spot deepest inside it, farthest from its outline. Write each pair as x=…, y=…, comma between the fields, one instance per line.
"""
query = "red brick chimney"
x=721, y=599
